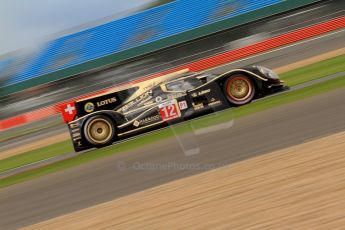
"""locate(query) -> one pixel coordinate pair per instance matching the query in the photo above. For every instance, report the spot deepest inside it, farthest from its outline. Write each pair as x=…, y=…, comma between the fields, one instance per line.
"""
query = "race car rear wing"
x=73, y=110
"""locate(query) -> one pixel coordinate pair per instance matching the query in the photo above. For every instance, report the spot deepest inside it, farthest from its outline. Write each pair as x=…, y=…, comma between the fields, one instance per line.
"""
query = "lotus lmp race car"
x=104, y=119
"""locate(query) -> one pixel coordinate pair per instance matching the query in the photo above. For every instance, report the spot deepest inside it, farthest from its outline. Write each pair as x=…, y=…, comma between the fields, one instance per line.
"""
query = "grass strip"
x=314, y=71
x=36, y=155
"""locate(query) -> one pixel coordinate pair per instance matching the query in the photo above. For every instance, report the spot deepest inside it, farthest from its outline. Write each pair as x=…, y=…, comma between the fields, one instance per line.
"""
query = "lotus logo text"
x=107, y=101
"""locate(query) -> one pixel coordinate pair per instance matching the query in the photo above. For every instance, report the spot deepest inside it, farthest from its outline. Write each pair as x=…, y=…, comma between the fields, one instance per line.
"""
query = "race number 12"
x=169, y=110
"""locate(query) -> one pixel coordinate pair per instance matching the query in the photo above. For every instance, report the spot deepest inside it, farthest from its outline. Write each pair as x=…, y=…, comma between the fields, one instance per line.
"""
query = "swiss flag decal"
x=68, y=111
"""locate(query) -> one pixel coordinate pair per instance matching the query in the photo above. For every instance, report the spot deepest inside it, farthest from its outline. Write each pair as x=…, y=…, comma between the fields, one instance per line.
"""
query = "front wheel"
x=99, y=131
x=239, y=89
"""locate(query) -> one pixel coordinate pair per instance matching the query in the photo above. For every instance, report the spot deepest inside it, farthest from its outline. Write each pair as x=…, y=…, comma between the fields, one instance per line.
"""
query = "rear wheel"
x=239, y=89
x=99, y=131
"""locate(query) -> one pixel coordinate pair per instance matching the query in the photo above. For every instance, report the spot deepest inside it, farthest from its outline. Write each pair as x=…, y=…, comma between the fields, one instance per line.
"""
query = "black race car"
x=104, y=119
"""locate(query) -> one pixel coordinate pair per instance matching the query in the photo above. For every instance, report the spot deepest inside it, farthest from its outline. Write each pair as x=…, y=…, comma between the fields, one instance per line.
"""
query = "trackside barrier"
x=202, y=64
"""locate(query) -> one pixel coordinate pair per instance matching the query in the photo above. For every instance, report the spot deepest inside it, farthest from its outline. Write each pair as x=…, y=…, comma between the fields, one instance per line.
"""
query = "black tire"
x=99, y=130
x=239, y=89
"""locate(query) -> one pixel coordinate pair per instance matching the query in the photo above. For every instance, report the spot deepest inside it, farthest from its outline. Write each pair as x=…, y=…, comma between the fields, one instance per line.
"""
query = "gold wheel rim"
x=239, y=89
x=99, y=131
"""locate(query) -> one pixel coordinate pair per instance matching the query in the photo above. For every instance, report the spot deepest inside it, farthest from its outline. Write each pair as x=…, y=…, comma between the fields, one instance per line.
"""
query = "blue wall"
x=142, y=28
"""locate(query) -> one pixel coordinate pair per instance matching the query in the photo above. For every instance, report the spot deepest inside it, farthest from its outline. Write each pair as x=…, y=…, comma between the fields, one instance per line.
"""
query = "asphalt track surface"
x=115, y=176
x=158, y=163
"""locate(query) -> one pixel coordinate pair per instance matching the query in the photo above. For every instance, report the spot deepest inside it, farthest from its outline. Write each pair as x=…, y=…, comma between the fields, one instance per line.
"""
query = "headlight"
x=267, y=72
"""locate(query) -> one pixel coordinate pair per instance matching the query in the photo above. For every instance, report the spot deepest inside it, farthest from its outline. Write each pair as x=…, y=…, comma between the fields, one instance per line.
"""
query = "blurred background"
x=57, y=51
